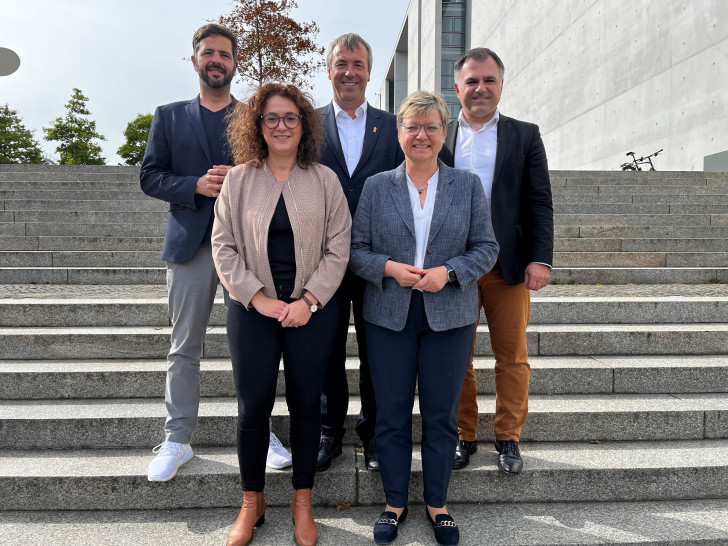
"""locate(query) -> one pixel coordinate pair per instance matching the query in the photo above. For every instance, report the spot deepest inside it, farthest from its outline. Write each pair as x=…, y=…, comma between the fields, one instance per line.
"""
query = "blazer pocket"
x=176, y=206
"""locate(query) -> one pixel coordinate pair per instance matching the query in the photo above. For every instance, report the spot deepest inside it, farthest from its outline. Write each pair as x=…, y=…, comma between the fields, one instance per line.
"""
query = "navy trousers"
x=436, y=362
x=335, y=393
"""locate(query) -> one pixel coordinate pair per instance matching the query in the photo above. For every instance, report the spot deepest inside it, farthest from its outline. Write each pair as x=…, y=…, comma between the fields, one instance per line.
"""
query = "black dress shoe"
x=463, y=451
x=509, y=460
x=446, y=530
x=386, y=527
x=329, y=449
x=371, y=462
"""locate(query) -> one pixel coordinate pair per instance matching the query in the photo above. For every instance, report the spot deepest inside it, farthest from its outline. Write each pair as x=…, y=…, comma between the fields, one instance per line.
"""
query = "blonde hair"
x=421, y=103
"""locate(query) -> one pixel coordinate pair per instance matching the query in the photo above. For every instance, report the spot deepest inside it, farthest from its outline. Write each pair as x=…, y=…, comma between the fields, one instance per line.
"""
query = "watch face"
x=314, y=308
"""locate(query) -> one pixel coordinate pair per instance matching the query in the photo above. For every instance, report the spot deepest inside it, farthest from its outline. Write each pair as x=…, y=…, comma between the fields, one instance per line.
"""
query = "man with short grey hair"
x=361, y=141
x=185, y=164
x=509, y=157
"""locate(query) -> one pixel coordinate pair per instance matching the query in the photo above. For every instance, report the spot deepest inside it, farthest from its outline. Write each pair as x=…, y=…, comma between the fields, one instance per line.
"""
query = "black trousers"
x=335, y=394
x=256, y=345
x=436, y=363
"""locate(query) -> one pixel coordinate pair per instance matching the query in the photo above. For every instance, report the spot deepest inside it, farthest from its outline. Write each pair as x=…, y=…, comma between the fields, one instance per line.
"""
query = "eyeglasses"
x=272, y=121
x=431, y=129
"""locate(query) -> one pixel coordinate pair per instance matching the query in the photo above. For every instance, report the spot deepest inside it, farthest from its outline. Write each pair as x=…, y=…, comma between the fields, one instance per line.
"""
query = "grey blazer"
x=461, y=234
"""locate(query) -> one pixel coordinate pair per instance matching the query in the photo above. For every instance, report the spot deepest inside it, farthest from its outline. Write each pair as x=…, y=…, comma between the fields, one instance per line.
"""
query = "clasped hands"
x=294, y=314
x=425, y=280
x=210, y=183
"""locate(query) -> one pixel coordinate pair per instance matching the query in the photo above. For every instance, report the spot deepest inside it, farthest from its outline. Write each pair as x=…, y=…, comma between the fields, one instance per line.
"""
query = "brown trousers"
x=507, y=309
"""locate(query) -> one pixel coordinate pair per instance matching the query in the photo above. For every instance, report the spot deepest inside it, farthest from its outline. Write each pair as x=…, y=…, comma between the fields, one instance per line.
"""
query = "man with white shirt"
x=509, y=157
x=361, y=141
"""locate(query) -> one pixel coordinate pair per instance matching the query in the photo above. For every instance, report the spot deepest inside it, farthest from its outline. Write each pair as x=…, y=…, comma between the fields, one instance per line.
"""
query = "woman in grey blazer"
x=421, y=238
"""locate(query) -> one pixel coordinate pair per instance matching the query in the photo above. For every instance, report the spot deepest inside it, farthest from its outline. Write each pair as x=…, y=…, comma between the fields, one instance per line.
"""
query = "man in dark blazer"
x=361, y=141
x=510, y=159
x=185, y=163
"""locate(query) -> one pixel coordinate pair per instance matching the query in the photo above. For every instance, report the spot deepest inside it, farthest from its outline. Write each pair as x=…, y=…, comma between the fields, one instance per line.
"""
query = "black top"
x=282, y=251
x=215, y=129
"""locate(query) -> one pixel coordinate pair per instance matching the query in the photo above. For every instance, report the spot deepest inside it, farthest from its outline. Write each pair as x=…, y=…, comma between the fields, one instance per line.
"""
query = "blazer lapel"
x=445, y=192
x=371, y=133
x=452, y=134
x=331, y=132
x=198, y=129
x=504, y=134
x=400, y=196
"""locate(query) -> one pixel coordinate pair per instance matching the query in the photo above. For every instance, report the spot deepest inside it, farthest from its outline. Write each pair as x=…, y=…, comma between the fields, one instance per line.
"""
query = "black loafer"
x=386, y=527
x=371, y=462
x=463, y=451
x=329, y=449
x=509, y=460
x=446, y=530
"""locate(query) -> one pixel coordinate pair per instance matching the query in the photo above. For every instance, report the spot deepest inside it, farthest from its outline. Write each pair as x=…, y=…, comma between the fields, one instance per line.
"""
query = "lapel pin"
x=374, y=130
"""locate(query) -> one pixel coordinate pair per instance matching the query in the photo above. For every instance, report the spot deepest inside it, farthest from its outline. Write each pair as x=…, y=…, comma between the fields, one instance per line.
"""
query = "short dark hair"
x=478, y=54
x=350, y=41
x=245, y=132
x=213, y=29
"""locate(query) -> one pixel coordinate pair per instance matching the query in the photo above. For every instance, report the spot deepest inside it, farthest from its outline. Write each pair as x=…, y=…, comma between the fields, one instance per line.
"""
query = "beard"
x=215, y=83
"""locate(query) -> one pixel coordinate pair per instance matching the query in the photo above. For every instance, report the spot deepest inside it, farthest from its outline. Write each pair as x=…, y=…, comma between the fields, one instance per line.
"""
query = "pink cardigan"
x=321, y=224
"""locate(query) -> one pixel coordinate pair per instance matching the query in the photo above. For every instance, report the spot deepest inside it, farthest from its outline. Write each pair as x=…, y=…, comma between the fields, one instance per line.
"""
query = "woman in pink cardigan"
x=280, y=242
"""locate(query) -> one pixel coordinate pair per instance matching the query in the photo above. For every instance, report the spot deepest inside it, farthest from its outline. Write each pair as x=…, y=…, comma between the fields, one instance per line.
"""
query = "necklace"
x=420, y=190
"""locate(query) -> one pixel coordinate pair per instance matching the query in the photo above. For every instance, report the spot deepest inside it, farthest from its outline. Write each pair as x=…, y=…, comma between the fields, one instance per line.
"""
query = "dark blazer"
x=460, y=234
x=380, y=150
x=521, y=205
x=177, y=156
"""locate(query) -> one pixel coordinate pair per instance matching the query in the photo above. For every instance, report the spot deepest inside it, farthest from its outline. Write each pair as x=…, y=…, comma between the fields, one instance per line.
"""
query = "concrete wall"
x=603, y=78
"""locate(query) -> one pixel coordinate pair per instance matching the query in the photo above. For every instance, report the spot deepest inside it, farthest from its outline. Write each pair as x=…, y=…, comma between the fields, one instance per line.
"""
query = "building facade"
x=600, y=77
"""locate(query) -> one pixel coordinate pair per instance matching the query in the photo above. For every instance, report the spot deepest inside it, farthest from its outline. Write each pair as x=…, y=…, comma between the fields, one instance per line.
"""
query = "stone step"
x=72, y=195
x=70, y=258
x=562, y=198
x=66, y=229
x=30, y=184
x=685, y=522
x=85, y=217
x=609, y=190
x=638, y=220
x=142, y=204
x=94, y=243
x=615, y=208
x=593, y=244
x=638, y=275
x=637, y=232
x=147, y=311
x=118, y=423
x=682, y=181
x=84, y=275
x=100, y=379
x=51, y=177
x=640, y=259
x=58, y=343
x=553, y=473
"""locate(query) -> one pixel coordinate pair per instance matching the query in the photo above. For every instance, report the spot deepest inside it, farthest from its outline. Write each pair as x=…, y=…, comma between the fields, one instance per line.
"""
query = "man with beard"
x=185, y=163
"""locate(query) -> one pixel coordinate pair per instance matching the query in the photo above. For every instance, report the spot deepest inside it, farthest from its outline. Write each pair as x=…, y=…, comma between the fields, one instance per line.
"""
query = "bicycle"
x=634, y=165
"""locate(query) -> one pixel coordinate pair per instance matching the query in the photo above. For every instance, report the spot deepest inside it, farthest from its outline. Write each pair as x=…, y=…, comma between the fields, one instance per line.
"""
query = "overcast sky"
x=127, y=55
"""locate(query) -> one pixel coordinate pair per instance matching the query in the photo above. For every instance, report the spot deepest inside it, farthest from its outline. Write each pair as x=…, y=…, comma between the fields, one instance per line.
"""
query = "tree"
x=76, y=134
x=17, y=143
x=272, y=46
x=136, y=133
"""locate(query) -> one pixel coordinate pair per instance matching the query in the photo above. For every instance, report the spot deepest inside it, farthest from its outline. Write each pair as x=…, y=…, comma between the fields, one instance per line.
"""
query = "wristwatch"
x=451, y=276
x=313, y=307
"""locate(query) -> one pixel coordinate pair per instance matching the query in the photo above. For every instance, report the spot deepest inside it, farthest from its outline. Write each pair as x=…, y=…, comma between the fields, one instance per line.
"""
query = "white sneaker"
x=278, y=456
x=170, y=456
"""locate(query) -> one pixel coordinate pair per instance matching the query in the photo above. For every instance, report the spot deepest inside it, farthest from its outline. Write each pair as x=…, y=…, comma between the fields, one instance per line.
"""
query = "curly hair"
x=245, y=132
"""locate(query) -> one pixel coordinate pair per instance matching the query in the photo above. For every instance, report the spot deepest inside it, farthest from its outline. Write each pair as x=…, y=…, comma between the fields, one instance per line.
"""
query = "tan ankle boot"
x=252, y=515
x=306, y=531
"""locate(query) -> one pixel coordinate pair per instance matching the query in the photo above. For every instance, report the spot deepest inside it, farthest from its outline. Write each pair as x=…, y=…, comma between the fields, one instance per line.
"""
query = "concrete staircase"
x=626, y=441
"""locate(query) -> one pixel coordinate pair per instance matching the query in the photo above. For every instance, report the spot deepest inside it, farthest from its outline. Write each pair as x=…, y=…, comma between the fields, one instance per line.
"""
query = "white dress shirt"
x=422, y=216
x=475, y=150
x=351, y=133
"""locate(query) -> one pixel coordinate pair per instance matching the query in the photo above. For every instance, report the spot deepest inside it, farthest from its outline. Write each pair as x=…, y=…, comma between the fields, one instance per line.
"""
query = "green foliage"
x=76, y=134
x=136, y=133
x=17, y=143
